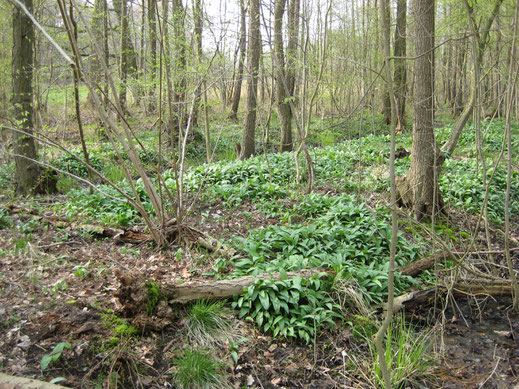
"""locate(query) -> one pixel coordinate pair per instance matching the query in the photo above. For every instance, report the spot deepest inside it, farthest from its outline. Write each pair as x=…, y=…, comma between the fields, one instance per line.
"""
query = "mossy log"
x=134, y=291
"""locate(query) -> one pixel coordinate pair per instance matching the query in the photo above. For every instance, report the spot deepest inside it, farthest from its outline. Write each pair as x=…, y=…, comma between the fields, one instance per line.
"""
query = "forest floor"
x=61, y=319
x=60, y=285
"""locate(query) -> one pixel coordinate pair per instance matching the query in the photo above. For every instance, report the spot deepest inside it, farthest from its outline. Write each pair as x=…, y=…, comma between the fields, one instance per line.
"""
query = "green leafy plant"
x=234, y=347
x=197, y=369
x=5, y=219
x=292, y=308
x=47, y=359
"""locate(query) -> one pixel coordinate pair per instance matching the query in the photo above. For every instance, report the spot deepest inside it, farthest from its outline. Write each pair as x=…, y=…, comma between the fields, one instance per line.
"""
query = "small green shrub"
x=69, y=164
x=197, y=369
x=294, y=308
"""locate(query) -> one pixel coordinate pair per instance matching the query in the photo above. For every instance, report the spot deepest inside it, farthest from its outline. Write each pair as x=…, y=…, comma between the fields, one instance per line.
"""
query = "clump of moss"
x=153, y=297
x=126, y=330
x=363, y=326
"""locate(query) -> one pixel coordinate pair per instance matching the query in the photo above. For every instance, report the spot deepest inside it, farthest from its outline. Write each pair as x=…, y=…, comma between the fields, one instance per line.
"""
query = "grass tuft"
x=407, y=354
x=197, y=369
x=206, y=322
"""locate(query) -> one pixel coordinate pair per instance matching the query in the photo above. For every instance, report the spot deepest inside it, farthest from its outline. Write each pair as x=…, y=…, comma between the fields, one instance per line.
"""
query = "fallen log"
x=135, y=292
x=425, y=297
x=12, y=382
x=415, y=268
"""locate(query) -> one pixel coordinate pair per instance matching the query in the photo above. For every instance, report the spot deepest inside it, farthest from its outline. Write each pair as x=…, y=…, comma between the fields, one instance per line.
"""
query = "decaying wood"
x=415, y=268
x=133, y=291
x=425, y=297
x=12, y=382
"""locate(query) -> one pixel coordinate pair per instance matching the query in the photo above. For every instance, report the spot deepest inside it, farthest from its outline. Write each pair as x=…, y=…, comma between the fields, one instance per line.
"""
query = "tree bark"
x=249, y=129
x=152, y=71
x=241, y=61
x=96, y=69
x=178, y=121
x=28, y=177
x=283, y=106
x=198, y=26
x=124, y=58
x=400, y=67
x=419, y=189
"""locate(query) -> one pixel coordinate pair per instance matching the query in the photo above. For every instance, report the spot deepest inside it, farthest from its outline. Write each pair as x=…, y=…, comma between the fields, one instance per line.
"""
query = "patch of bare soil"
x=481, y=340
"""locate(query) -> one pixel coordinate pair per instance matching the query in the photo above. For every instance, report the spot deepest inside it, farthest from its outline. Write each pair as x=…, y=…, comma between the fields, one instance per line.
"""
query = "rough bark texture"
x=241, y=62
x=419, y=189
x=400, y=68
x=249, y=129
x=414, y=268
x=29, y=177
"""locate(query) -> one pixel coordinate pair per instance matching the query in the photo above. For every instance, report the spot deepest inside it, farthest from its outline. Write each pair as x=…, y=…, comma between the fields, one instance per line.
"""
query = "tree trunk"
x=124, y=60
x=400, y=70
x=178, y=121
x=249, y=130
x=96, y=69
x=241, y=61
x=282, y=96
x=198, y=25
x=29, y=178
x=152, y=71
x=419, y=189
x=386, y=103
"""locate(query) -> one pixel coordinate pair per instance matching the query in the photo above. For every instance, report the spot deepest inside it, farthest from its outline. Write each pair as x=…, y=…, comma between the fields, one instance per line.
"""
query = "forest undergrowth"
x=60, y=319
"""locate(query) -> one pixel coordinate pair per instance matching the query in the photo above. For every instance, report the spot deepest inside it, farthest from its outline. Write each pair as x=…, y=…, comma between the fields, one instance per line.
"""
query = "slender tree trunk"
x=75, y=72
x=241, y=61
x=28, y=180
x=400, y=68
x=386, y=103
x=198, y=24
x=249, y=130
x=124, y=61
x=179, y=69
x=152, y=71
x=96, y=69
x=282, y=96
x=419, y=189
x=481, y=36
